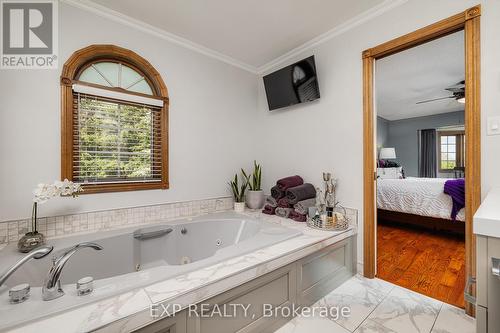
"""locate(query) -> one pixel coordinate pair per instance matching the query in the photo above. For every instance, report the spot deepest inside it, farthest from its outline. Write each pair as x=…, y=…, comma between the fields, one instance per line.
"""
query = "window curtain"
x=427, y=156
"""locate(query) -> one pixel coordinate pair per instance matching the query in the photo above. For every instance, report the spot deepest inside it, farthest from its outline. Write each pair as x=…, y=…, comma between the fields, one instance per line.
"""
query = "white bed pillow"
x=390, y=173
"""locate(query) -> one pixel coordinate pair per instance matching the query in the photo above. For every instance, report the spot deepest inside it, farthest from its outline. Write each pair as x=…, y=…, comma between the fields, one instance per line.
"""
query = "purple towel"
x=292, y=181
x=296, y=216
x=455, y=188
x=284, y=203
x=269, y=210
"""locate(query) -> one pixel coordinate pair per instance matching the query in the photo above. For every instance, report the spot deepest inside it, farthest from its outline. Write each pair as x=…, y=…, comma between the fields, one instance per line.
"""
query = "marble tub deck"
x=381, y=307
x=130, y=310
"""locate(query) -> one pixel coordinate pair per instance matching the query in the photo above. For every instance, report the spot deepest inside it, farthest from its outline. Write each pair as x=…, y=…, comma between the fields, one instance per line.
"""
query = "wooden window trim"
x=458, y=150
x=72, y=68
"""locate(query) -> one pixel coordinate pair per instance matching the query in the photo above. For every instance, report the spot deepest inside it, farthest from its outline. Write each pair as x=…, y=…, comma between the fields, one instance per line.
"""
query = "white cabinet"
x=300, y=283
x=487, y=230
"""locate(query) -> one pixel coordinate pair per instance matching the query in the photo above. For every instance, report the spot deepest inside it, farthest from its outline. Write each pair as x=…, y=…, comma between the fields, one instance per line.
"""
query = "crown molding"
x=338, y=30
x=147, y=28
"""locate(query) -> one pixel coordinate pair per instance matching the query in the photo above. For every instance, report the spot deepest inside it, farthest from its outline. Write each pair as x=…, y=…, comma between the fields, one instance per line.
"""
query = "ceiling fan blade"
x=459, y=87
x=435, y=99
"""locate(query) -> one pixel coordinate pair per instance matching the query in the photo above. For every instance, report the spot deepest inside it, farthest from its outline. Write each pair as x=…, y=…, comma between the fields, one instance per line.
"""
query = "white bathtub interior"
x=127, y=263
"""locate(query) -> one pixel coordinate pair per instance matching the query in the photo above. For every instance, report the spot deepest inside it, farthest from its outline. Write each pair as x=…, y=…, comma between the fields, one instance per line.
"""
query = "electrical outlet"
x=494, y=125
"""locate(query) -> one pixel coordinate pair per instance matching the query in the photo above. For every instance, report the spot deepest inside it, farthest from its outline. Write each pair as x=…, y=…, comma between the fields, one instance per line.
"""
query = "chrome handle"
x=467, y=296
x=495, y=267
x=141, y=235
x=51, y=288
x=19, y=293
x=37, y=253
x=85, y=286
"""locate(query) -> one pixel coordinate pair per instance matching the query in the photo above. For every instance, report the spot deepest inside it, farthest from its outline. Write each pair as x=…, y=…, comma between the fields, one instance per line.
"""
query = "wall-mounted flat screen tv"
x=294, y=84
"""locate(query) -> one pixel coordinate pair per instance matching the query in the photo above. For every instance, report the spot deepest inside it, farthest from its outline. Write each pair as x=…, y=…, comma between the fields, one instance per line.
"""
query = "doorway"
x=468, y=22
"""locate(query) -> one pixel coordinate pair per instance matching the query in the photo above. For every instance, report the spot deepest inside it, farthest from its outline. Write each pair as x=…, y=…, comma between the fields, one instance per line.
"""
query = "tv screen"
x=291, y=85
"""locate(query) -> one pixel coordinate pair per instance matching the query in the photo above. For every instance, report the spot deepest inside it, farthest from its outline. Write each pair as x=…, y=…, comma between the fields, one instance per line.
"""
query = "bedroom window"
x=114, y=128
x=451, y=150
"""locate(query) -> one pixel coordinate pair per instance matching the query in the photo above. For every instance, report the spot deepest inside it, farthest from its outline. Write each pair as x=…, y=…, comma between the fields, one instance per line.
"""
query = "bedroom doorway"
x=420, y=131
x=448, y=148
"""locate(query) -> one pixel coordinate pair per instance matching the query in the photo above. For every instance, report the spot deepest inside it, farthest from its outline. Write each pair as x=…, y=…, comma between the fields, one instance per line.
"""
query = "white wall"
x=212, y=110
x=327, y=134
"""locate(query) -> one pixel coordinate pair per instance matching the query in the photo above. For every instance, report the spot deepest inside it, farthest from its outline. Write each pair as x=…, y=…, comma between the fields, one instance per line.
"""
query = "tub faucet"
x=51, y=288
x=36, y=253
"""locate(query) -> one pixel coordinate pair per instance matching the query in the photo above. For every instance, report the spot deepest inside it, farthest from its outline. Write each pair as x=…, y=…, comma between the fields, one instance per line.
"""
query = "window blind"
x=115, y=141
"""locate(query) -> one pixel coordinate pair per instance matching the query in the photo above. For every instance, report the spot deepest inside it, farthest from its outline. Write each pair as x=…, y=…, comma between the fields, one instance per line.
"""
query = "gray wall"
x=382, y=132
x=402, y=135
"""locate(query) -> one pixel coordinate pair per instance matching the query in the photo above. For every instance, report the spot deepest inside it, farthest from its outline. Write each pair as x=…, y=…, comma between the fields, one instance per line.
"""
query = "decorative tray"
x=340, y=224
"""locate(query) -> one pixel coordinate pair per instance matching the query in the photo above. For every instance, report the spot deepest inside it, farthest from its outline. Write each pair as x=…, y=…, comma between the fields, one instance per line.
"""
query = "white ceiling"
x=417, y=74
x=254, y=32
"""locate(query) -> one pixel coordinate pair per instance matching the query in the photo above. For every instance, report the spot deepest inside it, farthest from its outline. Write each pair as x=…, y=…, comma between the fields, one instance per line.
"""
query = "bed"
x=418, y=201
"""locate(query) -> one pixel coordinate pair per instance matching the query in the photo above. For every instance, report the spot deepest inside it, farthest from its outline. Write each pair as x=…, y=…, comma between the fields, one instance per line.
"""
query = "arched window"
x=114, y=121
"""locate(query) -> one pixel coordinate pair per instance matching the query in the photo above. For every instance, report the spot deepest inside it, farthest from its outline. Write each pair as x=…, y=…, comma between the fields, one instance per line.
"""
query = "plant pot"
x=30, y=241
x=239, y=207
x=255, y=199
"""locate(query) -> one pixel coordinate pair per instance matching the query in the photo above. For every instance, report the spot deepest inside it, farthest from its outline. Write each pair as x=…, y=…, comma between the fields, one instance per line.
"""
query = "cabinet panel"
x=300, y=283
x=325, y=270
x=481, y=320
x=493, y=287
x=482, y=271
x=176, y=324
x=277, y=289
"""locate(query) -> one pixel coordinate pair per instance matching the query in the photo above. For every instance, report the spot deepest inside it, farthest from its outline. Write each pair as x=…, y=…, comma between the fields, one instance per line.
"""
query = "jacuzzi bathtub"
x=139, y=256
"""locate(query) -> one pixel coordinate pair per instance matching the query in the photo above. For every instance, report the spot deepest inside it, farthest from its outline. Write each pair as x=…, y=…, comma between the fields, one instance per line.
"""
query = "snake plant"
x=255, y=179
x=238, y=190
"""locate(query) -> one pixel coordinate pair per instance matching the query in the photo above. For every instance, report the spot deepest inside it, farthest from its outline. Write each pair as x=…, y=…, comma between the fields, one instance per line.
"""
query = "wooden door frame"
x=469, y=22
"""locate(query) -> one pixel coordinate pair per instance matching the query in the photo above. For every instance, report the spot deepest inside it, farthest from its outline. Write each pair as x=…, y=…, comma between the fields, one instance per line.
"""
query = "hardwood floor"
x=431, y=263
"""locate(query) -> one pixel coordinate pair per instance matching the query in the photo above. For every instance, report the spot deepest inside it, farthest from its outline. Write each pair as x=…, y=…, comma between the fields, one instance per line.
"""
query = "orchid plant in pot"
x=255, y=196
x=238, y=194
x=42, y=194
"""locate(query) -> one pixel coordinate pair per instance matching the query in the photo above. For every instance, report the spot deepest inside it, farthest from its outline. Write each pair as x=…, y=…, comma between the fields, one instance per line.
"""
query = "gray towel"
x=302, y=207
x=271, y=201
x=283, y=212
x=277, y=193
x=301, y=192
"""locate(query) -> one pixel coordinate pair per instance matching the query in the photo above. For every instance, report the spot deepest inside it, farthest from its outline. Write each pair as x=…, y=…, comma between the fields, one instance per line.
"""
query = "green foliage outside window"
x=115, y=141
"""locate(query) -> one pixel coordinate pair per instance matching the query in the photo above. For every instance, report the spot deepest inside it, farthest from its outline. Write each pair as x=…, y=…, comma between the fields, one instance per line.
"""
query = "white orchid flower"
x=44, y=192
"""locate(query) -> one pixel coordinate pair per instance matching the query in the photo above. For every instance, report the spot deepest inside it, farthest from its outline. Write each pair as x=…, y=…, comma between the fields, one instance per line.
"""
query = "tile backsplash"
x=57, y=226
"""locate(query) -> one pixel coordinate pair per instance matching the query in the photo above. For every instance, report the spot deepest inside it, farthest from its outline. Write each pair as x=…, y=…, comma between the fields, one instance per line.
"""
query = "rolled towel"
x=288, y=182
x=277, y=193
x=302, y=207
x=284, y=203
x=270, y=201
x=296, y=216
x=283, y=212
x=269, y=210
x=301, y=192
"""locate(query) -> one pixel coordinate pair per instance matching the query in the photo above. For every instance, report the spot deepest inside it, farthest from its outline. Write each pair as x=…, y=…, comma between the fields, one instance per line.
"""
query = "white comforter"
x=419, y=196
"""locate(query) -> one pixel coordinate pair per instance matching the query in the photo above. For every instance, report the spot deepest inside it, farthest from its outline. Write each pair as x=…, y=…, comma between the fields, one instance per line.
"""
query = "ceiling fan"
x=457, y=90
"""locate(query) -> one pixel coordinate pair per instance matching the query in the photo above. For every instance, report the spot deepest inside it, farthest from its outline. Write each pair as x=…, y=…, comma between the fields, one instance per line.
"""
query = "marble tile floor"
x=381, y=307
